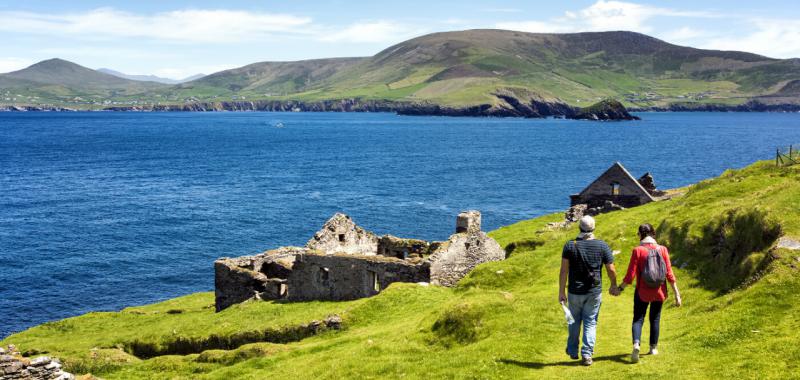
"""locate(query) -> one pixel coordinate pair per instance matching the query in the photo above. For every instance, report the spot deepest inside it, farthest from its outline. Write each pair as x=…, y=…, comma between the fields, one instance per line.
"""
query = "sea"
x=103, y=210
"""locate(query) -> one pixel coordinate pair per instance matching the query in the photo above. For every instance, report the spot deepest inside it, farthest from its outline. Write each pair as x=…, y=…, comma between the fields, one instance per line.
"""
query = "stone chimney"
x=469, y=222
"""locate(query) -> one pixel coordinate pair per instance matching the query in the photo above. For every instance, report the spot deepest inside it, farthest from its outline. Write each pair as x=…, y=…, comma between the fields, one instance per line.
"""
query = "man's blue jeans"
x=585, y=309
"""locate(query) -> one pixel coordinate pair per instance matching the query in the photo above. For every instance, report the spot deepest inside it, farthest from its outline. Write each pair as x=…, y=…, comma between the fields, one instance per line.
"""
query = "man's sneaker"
x=587, y=360
x=653, y=350
x=635, y=353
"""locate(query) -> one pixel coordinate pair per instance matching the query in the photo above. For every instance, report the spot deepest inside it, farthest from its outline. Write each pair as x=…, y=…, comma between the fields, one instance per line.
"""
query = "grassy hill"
x=503, y=320
x=59, y=81
x=466, y=68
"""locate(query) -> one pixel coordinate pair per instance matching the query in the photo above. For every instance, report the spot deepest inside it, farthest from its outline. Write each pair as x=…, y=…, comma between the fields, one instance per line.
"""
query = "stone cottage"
x=343, y=261
x=618, y=186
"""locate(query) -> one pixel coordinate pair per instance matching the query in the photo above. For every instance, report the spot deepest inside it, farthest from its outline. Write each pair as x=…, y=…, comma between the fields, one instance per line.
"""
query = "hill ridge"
x=460, y=69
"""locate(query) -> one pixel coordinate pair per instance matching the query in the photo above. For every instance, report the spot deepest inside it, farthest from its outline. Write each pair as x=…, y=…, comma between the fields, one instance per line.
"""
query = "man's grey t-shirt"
x=596, y=253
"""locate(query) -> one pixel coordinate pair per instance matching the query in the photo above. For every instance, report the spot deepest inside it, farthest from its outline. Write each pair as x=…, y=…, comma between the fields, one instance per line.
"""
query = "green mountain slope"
x=503, y=320
x=57, y=80
x=466, y=68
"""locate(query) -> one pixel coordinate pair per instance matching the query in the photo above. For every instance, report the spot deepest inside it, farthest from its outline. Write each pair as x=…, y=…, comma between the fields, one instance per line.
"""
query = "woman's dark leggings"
x=639, y=310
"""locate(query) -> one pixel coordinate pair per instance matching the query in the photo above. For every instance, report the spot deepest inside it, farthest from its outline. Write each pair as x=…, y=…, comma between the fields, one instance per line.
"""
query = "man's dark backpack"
x=655, y=269
x=586, y=271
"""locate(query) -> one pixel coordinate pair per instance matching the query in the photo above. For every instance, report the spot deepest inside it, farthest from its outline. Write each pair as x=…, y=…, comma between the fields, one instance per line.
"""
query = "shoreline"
x=484, y=110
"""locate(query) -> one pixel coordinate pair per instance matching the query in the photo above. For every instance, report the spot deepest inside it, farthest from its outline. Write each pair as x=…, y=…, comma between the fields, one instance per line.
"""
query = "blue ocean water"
x=105, y=210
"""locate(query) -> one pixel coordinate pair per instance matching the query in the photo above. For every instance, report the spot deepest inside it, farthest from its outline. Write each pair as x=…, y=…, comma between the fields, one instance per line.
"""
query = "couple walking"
x=580, y=286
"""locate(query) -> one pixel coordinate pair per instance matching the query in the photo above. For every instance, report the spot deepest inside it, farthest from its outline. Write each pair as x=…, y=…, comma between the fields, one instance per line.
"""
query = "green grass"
x=503, y=320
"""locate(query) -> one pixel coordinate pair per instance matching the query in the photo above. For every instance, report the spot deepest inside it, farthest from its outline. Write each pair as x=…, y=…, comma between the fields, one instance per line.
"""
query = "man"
x=582, y=260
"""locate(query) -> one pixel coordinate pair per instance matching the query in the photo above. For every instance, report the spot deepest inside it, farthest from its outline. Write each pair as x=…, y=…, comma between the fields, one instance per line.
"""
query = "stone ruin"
x=13, y=366
x=344, y=261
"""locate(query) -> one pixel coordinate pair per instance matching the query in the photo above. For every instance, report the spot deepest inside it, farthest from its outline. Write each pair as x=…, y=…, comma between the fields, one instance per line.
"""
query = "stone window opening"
x=324, y=276
x=615, y=188
x=376, y=285
x=283, y=290
x=466, y=245
x=341, y=238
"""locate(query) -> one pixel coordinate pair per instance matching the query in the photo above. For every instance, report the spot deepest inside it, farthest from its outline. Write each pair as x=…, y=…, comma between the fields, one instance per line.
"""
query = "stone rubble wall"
x=15, y=367
x=393, y=246
x=243, y=278
x=341, y=235
x=461, y=254
x=468, y=222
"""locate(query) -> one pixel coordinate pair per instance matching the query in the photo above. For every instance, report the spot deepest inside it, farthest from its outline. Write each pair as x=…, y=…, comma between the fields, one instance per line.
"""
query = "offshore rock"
x=607, y=109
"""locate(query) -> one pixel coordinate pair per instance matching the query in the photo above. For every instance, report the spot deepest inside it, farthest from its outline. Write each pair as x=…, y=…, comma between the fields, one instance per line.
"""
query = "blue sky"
x=180, y=38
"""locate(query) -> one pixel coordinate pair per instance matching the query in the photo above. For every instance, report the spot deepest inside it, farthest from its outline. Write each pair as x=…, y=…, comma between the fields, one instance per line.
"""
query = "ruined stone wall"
x=468, y=222
x=343, y=262
x=392, y=246
x=341, y=235
x=346, y=277
x=461, y=254
x=261, y=276
x=15, y=367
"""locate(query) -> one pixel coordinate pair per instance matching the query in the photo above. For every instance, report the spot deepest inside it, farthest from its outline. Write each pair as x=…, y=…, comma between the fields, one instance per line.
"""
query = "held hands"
x=614, y=290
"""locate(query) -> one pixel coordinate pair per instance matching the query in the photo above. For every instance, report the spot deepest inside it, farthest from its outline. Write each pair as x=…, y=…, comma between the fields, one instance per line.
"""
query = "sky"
x=176, y=39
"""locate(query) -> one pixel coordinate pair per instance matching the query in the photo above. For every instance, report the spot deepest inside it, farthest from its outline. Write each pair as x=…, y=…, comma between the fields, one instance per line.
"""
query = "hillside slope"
x=467, y=69
x=503, y=320
x=59, y=81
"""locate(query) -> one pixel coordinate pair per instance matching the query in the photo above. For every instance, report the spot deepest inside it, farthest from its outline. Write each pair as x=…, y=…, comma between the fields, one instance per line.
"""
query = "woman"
x=646, y=295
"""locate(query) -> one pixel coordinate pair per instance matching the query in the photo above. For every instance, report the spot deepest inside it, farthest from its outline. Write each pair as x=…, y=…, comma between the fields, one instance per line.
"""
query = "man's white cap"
x=587, y=224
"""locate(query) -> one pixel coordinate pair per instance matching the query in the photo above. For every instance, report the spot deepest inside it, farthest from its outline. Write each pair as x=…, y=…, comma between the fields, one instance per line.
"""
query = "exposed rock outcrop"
x=510, y=103
x=605, y=110
x=759, y=104
x=14, y=366
x=39, y=108
x=575, y=212
x=788, y=243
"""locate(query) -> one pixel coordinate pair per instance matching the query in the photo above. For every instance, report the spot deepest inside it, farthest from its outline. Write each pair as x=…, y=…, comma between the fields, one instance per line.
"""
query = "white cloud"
x=9, y=64
x=377, y=31
x=180, y=26
x=771, y=37
x=603, y=15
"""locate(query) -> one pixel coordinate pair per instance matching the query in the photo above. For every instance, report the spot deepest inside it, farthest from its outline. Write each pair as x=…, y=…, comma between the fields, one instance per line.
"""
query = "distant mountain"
x=489, y=68
x=467, y=68
x=57, y=80
x=150, y=78
x=277, y=77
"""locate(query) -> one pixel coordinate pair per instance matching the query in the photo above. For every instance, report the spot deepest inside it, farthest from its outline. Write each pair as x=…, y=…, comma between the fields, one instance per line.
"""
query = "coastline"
x=534, y=110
